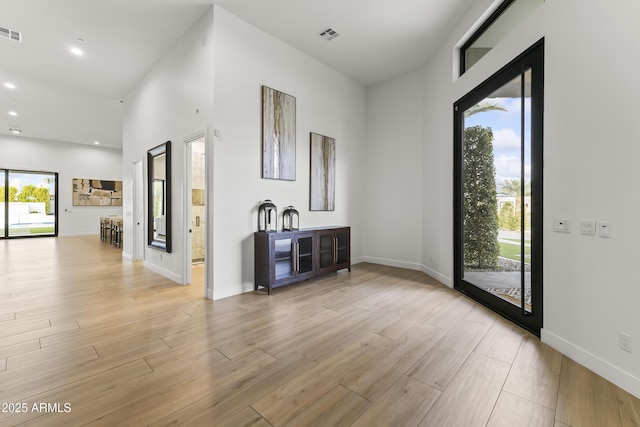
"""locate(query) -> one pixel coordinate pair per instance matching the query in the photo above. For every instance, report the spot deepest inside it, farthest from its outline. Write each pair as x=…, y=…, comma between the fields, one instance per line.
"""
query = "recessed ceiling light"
x=96, y=142
x=9, y=85
x=77, y=51
x=15, y=130
x=13, y=113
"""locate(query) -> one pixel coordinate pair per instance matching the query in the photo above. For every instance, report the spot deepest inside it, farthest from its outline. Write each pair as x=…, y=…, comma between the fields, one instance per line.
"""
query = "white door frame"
x=137, y=226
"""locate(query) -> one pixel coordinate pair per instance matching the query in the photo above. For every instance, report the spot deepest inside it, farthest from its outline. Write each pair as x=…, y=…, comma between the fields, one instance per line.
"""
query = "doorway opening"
x=498, y=190
x=196, y=208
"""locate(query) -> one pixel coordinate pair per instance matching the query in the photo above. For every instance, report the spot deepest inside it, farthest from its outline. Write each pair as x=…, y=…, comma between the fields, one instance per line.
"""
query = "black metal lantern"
x=290, y=219
x=267, y=216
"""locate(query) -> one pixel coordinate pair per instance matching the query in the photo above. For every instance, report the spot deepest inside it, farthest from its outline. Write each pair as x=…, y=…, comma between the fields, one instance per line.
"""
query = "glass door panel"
x=342, y=249
x=326, y=250
x=305, y=254
x=32, y=204
x=3, y=202
x=283, y=259
x=495, y=172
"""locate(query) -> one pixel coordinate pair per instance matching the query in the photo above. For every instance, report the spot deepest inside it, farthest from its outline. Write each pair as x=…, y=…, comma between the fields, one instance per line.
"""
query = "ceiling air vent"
x=7, y=33
x=328, y=34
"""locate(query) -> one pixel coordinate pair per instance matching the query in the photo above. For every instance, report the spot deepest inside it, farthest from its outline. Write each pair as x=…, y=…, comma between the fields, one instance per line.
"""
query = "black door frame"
x=5, y=182
x=532, y=59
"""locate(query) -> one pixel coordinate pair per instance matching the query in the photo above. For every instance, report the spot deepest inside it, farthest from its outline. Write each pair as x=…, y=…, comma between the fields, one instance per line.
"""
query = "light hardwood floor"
x=114, y=344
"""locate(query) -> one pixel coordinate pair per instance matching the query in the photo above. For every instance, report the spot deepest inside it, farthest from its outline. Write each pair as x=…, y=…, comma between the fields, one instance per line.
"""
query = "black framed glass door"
x=498, y=190
x=28, y=204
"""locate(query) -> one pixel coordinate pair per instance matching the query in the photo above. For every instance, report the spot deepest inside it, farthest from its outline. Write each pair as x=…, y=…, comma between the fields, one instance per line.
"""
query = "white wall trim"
x=445, y=280
x=392, y=263
x=601, y=367
x=88, y=233
x=357, y=260
x=164, y=272
x=229, y=292
x=127, y=256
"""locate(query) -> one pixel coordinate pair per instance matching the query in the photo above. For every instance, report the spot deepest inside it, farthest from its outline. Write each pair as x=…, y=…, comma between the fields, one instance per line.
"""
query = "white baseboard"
x=445, y=280
x=89, y=233
x=229, y=292
x=617, y=376
x=392, y=263
x=163, y=272
x=127, y=256
x=356, y=260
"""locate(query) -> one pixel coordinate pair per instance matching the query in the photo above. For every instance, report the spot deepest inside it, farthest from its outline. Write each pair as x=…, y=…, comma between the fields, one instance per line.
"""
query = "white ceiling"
x=63, y=97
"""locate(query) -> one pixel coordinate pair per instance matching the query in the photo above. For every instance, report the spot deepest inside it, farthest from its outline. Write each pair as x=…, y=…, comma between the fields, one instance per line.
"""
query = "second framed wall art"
x=323, y=173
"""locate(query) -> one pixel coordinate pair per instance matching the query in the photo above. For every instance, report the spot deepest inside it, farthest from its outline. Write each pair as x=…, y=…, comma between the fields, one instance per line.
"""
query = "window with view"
x=499, y=24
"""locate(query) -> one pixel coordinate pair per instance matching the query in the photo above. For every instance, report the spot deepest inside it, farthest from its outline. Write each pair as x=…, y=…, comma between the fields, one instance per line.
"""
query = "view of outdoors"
x=31, y=198
x=497, y=196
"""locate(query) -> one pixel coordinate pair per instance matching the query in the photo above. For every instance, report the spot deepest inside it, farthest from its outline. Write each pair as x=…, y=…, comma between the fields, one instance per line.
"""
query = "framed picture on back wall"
x=323, y=173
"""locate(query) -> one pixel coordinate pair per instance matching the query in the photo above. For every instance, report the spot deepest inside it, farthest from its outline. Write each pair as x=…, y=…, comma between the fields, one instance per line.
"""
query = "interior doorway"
x=196, y=210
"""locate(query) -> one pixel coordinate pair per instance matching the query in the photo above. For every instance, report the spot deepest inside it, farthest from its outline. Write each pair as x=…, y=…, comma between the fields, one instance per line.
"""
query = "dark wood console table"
x=287, y=257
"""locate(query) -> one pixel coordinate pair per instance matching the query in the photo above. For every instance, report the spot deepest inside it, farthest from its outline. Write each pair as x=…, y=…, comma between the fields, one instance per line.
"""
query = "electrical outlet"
x=625, y=342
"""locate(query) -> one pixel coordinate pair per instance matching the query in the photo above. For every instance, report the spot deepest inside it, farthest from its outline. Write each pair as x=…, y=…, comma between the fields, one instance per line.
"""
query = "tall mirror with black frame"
x=159, y=197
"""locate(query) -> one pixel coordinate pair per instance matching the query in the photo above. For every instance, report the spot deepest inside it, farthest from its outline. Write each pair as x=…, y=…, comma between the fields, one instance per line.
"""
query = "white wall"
x=70, y=161
x=590, y=171
x=394, y=186
x=326, y=102
x=173, y=102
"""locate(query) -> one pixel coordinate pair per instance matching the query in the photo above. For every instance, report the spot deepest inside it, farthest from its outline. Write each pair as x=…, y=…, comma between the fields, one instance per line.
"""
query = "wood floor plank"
x=6, y=317
x=512, y=411
x=501, y=342
x=535, y=374
x=404, y=404
x=143, y=398
x=225, y=402
x=77, y=391
x=339, y=407
x=372, y=381
x=53, y=355
x=284, y=404
x=451, y=314
x=246, y=418
x=478, y=385
x=152, y=407
x=629, y=407
x=262, y=337
x=440, y=364
x=27, y=346
x=585, y=399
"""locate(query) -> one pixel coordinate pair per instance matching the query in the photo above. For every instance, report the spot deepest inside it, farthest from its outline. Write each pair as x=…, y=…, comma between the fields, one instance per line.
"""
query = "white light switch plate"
x=605, y=229
x=562, y=225
x=588, y=227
